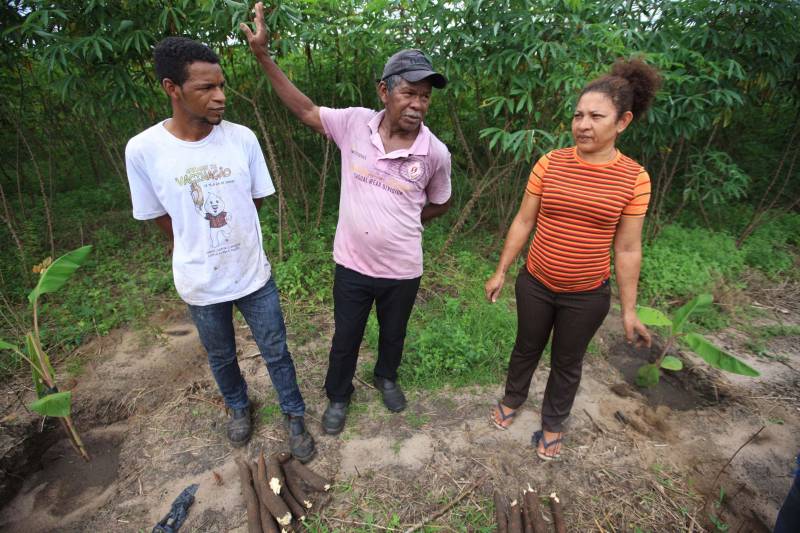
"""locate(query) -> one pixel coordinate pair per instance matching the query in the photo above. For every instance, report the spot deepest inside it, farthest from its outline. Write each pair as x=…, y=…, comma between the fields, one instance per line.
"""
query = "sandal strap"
x=503, y=415
x=539, y=436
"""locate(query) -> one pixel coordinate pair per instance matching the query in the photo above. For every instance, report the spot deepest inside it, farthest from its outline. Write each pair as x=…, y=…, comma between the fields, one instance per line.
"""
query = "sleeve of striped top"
x=534, y=186
x=637, y=207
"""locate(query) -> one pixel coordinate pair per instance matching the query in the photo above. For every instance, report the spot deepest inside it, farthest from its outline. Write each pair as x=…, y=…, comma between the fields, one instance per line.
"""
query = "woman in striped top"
x=579, y=200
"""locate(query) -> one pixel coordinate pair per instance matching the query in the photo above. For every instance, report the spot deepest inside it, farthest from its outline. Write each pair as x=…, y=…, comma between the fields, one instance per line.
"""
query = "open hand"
x=635, y=332
x=258, y=41
x=494, y=285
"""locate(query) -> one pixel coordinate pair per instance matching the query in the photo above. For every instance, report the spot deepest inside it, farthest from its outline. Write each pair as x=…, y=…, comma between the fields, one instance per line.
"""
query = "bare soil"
x=153, y=421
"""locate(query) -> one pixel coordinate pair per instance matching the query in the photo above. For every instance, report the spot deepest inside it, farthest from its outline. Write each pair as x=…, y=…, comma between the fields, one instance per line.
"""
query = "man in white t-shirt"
x=395, y=176
x=202, y=180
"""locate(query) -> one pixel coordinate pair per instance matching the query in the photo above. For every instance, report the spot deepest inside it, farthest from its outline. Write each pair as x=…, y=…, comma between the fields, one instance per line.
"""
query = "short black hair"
x=173, y=54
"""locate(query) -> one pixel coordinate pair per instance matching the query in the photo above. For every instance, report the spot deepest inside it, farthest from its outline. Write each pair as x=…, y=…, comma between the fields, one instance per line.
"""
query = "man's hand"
x=494, y=285
x=258, y=42
x=635, y=331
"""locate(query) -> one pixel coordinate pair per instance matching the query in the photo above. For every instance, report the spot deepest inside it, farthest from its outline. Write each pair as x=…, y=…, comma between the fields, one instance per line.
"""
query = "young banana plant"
x=649, y=374
x=52, y=276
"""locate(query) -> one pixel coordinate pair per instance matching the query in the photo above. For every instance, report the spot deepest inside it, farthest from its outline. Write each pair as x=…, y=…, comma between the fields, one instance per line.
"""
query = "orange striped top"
x=582, y=203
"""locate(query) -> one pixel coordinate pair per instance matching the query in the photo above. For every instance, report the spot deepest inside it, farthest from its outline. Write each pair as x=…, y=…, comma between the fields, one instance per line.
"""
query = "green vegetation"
x=649, y=374
x=50, y=401
x=720, y=145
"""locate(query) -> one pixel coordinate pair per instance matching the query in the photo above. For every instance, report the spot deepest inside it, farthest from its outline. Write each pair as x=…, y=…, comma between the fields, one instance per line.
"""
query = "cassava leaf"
x=57, y=404
x=718, y=358
x=59, y=272
x=652, y=317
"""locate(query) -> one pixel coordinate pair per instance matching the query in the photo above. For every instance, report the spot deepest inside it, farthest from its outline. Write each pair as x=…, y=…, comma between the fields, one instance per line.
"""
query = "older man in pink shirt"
x=395, y=176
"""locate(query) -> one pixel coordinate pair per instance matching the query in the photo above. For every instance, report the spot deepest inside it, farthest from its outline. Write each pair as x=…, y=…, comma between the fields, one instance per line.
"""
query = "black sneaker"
x=301, y=443
x=240, y=427
x=334, y=417
x=393, y=397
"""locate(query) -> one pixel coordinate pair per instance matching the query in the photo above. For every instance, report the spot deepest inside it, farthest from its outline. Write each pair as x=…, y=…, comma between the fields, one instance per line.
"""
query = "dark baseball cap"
x=413, y=66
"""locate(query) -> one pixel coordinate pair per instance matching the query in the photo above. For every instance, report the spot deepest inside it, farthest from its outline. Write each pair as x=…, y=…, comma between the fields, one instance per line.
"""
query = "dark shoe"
x=240, y=427
x=393, y=397
x=334, y=417
x=301, y=443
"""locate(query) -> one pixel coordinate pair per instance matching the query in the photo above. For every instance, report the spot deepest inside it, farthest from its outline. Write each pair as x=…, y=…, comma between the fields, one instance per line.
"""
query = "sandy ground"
x=153, y=421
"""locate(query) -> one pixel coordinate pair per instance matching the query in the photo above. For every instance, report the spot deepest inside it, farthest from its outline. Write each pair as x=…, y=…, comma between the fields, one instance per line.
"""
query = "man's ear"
x=170, y=87
x=383, y=91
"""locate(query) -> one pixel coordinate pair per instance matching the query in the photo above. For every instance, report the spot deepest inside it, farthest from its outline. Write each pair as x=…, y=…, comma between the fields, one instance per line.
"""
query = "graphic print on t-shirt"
x=396, y=176
x=210, y=205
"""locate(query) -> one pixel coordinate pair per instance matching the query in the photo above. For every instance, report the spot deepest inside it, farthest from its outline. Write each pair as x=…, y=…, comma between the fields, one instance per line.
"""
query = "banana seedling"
x=50, y=402
x=648, y=375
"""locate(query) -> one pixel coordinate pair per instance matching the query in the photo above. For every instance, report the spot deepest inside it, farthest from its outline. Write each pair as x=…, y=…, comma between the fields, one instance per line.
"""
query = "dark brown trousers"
x=573, y=318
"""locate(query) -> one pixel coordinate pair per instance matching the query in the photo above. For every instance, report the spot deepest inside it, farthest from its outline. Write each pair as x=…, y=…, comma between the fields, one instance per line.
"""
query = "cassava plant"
x=50, y=402
x=649, y=374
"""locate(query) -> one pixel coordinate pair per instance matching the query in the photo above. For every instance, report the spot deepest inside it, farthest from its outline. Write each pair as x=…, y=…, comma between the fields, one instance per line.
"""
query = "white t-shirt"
x=207, y=188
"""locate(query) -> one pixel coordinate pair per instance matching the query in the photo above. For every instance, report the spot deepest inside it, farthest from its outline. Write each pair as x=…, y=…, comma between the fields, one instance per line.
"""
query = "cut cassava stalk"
x=297, y=510
x=274, y=474
x=527, y=527
x=246, y=479
x=312, y=479
x=534, y=511
x=500, y=512
x=514, y=518
x=268, y=524
x=293, y=483
x=558, y=515
x=282, y=457
x=277, y=507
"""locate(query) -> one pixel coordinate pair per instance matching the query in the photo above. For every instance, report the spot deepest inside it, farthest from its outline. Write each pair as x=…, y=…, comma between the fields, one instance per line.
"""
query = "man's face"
x=202, y=96
x=406, y=104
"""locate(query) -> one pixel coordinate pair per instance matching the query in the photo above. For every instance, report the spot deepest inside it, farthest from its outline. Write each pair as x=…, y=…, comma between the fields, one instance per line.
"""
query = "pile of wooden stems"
x=276, y=492
x=524, y=515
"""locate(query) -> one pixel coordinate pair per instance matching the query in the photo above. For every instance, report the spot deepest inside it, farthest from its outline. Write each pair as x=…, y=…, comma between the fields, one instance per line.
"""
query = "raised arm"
x=297, y=102
x=627, y=263
x=517, y=237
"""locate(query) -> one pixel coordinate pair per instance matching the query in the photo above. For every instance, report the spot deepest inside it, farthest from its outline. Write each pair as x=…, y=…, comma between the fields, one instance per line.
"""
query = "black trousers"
x=573, y=318
x=353, y=296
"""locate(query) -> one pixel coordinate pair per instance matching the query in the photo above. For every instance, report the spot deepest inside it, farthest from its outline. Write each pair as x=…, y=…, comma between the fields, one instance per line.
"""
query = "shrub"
x=684, y=261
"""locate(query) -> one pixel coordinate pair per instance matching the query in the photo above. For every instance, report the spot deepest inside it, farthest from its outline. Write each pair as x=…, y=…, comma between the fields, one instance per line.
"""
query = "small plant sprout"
x=649, y=374
x=52, y=276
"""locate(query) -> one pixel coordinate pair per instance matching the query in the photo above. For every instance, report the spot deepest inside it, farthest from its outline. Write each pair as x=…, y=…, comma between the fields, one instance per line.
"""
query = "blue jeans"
x=262, y=311
x=789, y=516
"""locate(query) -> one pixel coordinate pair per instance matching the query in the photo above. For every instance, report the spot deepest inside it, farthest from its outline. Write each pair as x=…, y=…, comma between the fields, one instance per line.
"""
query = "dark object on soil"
x=312, y=479
x=250, y=498
x=268, y=524
x=176, y=516
x=500, y=512
x=558, y=515
x=514, y=517
x=534, y=511
x=277, y=507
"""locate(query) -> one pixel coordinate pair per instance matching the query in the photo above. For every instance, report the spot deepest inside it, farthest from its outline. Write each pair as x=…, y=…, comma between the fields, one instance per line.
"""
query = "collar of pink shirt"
x=421, y=144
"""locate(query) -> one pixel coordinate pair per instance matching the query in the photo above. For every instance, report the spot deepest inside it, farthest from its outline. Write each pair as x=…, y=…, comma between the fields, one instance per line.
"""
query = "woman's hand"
x=635, y=332
x=494, y=285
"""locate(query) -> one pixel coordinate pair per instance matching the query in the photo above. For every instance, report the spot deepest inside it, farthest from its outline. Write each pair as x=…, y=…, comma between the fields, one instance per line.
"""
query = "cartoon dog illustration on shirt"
x=218, y=220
